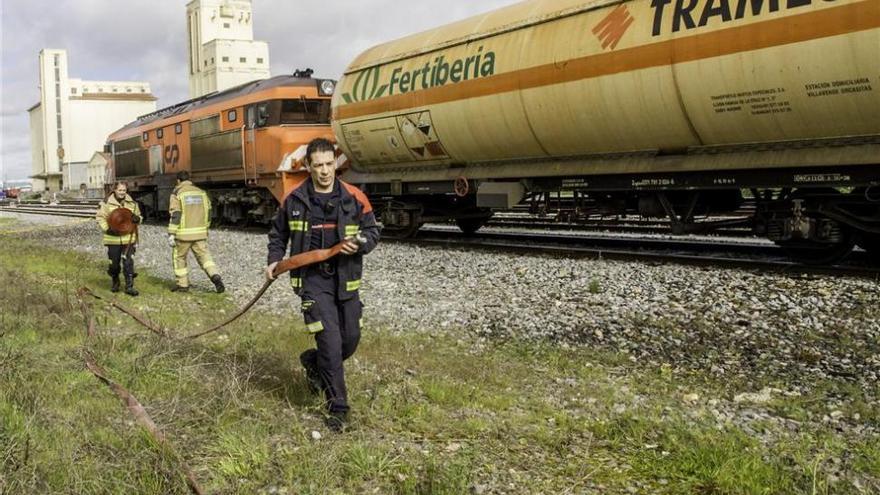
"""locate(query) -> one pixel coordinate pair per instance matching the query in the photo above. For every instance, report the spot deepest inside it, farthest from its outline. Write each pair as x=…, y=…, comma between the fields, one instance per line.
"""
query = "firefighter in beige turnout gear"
x=120, y=247
x=190, y=211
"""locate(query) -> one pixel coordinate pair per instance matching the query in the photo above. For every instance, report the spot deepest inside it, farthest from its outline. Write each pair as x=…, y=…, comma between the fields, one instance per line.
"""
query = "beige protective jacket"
x=105, y=209
x=190, y=211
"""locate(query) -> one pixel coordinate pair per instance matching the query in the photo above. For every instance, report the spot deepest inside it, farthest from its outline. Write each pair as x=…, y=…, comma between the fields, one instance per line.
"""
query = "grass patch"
x=431, y=415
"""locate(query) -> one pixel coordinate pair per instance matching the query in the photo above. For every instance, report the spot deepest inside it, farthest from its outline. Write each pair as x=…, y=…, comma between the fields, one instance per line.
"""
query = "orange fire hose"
x=300, y=260
x=292, y=263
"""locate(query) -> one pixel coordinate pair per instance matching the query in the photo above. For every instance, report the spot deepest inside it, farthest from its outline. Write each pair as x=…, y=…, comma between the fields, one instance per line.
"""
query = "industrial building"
x=73, y=119
x=222, y=50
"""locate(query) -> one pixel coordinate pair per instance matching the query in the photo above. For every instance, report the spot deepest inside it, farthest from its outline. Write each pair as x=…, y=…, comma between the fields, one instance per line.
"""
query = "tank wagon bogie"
x=652, y=107
x=236, y=144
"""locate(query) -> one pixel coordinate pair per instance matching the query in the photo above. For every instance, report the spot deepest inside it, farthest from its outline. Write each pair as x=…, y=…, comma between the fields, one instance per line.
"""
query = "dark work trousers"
x=337, y=330
x=115, y=253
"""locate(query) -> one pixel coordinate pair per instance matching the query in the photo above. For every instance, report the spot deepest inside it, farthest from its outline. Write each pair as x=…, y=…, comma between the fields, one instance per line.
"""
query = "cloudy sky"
x=145, y=40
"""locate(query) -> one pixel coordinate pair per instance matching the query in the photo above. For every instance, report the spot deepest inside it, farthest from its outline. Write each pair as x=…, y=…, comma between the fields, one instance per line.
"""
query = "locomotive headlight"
x=326, y=87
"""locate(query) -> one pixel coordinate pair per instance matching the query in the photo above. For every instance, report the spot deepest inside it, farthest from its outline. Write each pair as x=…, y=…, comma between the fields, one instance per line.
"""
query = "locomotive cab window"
x=305, y=111
x=160, y=133
x=232, y=115
x=146, y=136
x=178, y=128
x=263, y=114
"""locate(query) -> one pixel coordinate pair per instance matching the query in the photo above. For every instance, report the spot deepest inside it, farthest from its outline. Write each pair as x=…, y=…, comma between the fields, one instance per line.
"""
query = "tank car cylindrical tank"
x=546, y=79
x=673, y=106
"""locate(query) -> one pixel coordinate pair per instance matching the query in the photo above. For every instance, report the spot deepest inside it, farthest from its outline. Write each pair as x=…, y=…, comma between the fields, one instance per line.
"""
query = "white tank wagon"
x=662, y=107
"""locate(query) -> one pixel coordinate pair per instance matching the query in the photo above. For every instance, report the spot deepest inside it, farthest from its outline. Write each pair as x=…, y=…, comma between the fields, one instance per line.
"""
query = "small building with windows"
x=73, y=119
x=97, y=171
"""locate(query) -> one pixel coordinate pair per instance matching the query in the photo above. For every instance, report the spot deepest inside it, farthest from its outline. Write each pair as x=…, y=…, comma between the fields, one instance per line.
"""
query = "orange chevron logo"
x=613, y=27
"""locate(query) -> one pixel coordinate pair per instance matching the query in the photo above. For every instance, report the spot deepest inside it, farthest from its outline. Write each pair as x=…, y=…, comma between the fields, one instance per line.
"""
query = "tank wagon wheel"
x=814, y=253
x=811, y=252
x=400, y=220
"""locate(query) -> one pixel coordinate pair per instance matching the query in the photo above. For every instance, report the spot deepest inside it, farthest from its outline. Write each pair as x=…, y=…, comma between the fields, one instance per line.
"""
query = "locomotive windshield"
x=305, y=111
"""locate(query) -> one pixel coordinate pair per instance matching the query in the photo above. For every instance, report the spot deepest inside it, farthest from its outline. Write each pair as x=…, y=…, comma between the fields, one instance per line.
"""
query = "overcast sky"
x=145, y=40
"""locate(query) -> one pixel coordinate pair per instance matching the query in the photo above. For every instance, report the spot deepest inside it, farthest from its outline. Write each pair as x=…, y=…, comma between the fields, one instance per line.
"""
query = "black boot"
x=129, y=285
x=114, y=278
x=308, y=359
x=218, y=283
x=337, y=421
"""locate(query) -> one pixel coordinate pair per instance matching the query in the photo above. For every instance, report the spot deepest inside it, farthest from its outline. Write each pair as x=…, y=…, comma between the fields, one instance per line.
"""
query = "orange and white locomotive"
x=237, y=144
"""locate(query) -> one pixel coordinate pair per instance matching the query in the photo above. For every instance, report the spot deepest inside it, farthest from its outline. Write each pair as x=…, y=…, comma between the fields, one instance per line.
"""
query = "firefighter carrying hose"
x=190, y=211
x=119, y=244
x=317, y=214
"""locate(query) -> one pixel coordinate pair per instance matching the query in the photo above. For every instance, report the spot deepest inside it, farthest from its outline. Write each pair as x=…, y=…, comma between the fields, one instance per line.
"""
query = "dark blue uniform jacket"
x=291, y=226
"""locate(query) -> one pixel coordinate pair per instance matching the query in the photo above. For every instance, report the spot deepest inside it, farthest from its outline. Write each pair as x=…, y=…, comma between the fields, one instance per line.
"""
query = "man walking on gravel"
x=190, y=211
x=319, y=213
x=118, y=244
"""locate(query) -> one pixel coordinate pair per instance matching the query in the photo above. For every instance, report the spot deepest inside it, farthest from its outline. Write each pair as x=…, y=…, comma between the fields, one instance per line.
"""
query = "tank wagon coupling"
x=765, y=113
x=236, y=144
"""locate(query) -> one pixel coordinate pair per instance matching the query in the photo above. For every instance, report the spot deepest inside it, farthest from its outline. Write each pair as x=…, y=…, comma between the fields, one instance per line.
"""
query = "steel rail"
x=766, y=258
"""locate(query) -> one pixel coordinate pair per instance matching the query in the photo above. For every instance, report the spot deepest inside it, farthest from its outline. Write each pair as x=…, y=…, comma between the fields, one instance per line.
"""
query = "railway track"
x=61, y=209
x=620, y=244
x=633, y=225
x=698, y=251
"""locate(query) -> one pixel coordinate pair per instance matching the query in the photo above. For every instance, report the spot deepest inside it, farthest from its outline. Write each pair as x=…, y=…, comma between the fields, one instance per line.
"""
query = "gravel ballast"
x=732, y=323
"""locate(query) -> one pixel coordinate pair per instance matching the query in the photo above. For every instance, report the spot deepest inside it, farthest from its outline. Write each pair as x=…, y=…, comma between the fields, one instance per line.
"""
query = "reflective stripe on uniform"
x=298, y=225
x=117, y=240
x=351, y=230
x=353, y=285
x=314, y=327
x=192, y=230
x=296, y=282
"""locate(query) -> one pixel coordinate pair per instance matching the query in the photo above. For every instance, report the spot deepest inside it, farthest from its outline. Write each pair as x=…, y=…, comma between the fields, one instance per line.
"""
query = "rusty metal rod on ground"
x=130, y=312
x=140, y=414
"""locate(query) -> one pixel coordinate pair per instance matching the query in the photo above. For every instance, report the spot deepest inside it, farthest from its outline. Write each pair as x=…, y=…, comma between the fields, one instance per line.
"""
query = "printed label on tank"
x=756, y=102
x=402, y=138
x=682, y=15
x=838, y=87
x=437, y=71
x=420, y=137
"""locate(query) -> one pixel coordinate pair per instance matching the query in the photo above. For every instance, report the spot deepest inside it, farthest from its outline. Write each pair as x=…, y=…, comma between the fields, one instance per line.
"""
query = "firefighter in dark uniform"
x=119, y=245
x=318, y=213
